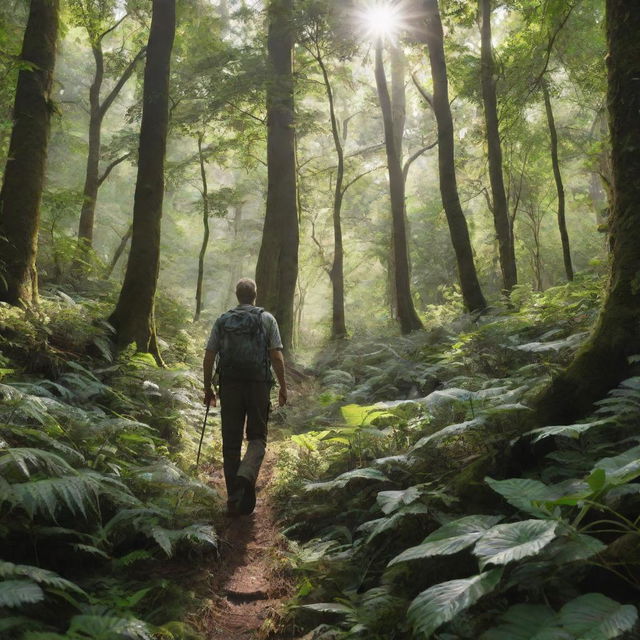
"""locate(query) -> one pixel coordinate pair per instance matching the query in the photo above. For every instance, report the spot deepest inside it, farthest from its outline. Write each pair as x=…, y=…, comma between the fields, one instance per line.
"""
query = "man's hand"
x=209, y=396
x=282, y=396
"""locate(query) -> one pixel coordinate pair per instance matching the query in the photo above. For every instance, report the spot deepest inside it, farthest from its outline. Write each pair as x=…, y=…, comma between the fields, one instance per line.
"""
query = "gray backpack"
x=244, y=353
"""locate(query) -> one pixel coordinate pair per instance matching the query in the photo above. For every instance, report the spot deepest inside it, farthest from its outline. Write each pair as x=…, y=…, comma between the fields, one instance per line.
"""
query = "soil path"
x=246, y=588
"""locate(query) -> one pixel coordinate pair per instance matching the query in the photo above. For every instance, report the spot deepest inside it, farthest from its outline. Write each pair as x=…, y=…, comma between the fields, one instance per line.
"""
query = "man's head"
x=246, y=291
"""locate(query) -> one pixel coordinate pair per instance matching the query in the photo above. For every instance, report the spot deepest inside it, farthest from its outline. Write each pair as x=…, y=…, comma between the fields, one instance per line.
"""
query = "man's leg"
x=232, y=415
x=257, y=404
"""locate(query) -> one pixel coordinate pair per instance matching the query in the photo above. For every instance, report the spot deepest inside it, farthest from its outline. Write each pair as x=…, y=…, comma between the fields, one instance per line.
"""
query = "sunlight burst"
x=381, y=20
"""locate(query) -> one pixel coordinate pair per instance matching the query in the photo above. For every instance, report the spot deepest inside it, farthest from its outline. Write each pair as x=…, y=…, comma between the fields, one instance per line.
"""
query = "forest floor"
x=247, y=584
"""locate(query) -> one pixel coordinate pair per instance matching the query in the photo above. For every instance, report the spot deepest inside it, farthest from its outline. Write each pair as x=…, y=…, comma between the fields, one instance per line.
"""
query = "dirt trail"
x=245, y=586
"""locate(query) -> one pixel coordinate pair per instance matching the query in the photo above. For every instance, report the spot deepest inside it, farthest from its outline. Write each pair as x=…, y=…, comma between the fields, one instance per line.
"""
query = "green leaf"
x=530, y=495
x=356, y=415
x=109, y=627
x=14, y=593
x=42, y=576
x=449, y=539
x=597, y=480
x=567, y=430
x=576, y=548
x=622, y=468
x=509, y=542
x=527, y=622
x=390, y=501
x=593, y=616
x=442, y=602
x=329, y=607
x=367, y=475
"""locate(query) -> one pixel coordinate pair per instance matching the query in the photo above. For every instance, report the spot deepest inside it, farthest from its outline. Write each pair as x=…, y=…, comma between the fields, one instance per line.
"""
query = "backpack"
x=244, y=351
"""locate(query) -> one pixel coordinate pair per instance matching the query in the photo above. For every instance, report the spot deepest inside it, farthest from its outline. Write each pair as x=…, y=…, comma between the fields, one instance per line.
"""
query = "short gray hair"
x=246, y=291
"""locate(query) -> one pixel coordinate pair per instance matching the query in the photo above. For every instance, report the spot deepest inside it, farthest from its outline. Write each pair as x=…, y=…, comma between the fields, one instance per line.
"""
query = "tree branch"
x=362, y=175
x=411, y=159
x=111, y=167
x=113, y=27
x=423, y=92
x=126, y=74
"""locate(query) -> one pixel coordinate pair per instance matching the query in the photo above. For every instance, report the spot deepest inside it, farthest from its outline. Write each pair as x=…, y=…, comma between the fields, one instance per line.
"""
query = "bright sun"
x=381, y=20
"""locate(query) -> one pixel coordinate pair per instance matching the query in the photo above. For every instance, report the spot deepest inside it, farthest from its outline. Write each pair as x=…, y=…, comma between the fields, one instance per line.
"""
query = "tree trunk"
x=205, y=224
x=604, y=360
x=25, y=169
x=407, y=316
x=93, y=181
x=133, y=318
x=471, y=292
x=119, y=251
x=277, y=268
x=336, y=274
x=500, y=208
x=562, y=223
x=90, y=192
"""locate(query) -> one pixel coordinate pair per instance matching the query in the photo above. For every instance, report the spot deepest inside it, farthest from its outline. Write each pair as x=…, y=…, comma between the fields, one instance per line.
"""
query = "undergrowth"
x=96, y=496
x=421, y=502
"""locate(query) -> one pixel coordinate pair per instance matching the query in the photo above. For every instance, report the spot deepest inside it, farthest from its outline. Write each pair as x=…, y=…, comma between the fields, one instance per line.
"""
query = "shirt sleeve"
x=274, y=341
x=213, y=344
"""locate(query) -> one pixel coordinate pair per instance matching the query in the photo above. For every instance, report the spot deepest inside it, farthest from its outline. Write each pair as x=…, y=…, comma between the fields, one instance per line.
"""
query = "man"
x=246, y=341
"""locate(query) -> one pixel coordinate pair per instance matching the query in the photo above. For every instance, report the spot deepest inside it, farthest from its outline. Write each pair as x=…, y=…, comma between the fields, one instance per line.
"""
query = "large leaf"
x=366, y=476
x=24, y=457
x=390, y=501
x=442, y=602
x=593, y=616
x=14, y=593
x=527, y=622
x=452, y=430
x=449, y=539
x=622, y=468
x=42, y=576
x=567, y=430
x=109, y=627
x=509, y=542
x=530, y=495
x=382, y=525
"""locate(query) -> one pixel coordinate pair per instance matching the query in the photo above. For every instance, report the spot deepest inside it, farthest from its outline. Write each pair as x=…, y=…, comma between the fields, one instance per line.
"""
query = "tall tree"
x=407, y=316
x=499, y=207
x=434, y=36
x=94, y=17
x=277, y=268
x=555, y=162
x=133, y=317
x=205, y=226
x=604, y=360
x=25, y=169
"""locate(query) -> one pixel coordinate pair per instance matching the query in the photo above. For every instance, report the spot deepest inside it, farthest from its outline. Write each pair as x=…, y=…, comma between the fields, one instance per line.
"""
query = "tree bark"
x=133, y=317
x=562, y=223
x=336, y=273
x=237, y=267
x=277, y=268
x=604, y=360
x=471, y=292
x=205, y=225
x=407, y=316
x=25, y=169
x=500, y=208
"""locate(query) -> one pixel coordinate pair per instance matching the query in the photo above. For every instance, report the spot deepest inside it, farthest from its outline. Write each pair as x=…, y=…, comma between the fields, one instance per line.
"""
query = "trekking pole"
x=204, y=426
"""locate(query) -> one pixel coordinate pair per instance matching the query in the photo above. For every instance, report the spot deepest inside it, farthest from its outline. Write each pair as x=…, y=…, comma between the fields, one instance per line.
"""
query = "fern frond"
x=14, y=593
x=24, y=457
x=36, y=574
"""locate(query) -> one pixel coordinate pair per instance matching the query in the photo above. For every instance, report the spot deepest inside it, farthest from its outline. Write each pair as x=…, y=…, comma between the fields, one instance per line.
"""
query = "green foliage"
x=85, y=470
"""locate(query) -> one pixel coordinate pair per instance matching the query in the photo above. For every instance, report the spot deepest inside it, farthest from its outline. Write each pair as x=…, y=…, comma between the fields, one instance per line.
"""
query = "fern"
x=36, y=574
x=15, y=593
x=23, y=458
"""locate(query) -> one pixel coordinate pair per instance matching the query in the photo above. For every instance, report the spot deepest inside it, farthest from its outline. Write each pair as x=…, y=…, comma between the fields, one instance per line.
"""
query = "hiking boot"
x=247, y=496
x=237, y=496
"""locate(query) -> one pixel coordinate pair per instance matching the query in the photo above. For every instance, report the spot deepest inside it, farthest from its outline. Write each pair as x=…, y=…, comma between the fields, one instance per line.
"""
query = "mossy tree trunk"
x=604, y=360
x=277, y=268
x=407, y=316
x=25, y=169
x=434, y=36
x=499, y=207
x=133, y=317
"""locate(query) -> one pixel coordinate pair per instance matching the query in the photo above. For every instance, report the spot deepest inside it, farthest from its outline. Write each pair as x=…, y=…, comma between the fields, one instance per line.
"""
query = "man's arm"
x=207, y=366
x=277, y=361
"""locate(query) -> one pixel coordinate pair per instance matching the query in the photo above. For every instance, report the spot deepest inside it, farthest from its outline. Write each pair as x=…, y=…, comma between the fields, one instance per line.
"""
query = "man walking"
x=246, y=340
